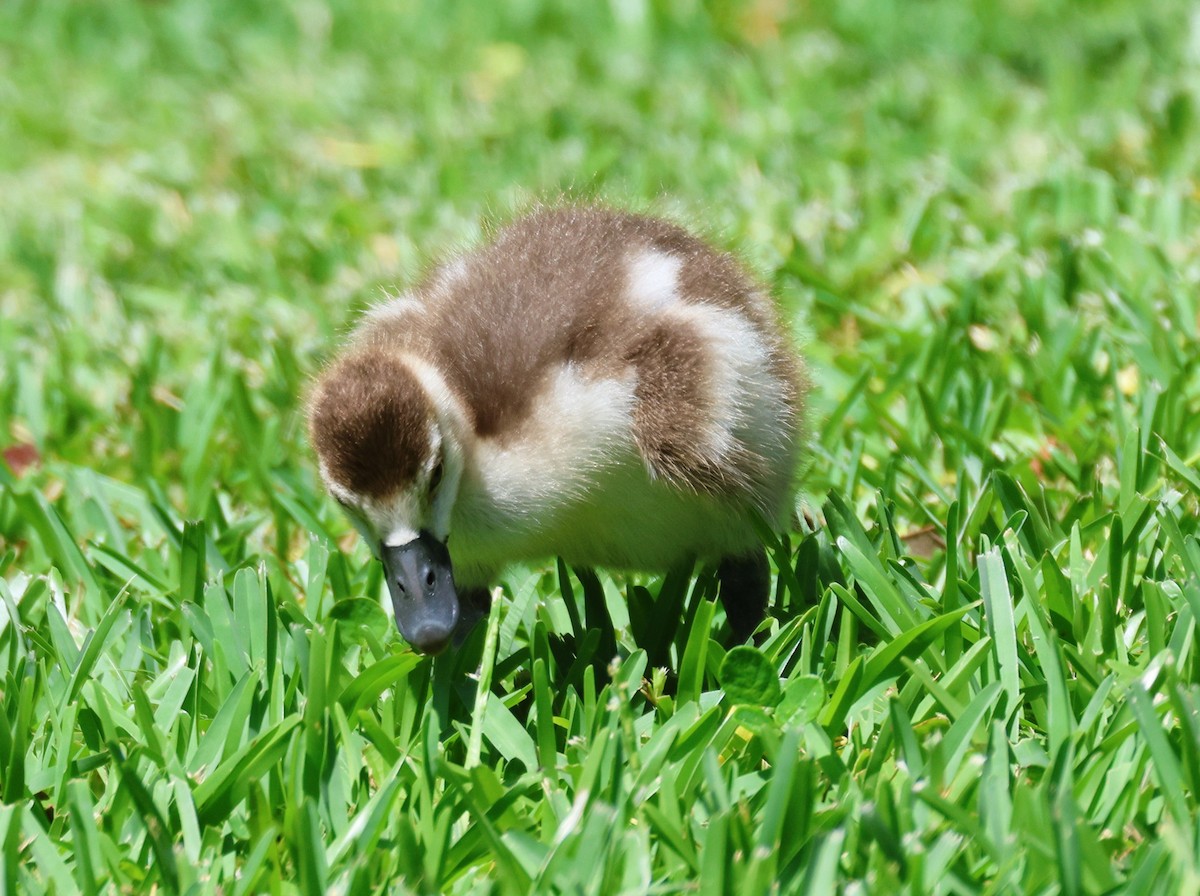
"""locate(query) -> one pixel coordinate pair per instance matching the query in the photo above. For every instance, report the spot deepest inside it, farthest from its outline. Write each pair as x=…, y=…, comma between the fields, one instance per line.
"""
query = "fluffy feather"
x=592, y=384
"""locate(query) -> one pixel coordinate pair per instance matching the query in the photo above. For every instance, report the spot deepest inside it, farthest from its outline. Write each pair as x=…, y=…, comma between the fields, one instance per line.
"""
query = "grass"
x=981, y=675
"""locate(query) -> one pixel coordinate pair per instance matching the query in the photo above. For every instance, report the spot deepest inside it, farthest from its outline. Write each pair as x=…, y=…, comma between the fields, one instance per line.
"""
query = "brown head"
x=370, y=421
x=382, y=426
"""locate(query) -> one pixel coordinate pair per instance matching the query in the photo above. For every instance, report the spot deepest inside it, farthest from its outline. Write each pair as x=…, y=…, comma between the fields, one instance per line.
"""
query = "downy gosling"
x=594, y=385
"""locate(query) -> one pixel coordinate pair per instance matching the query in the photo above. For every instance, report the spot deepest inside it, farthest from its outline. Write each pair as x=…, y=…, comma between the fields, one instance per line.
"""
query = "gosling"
x=592, y=384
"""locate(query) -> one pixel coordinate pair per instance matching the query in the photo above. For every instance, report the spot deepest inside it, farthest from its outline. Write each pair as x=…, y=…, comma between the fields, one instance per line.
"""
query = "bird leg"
x=745, y=586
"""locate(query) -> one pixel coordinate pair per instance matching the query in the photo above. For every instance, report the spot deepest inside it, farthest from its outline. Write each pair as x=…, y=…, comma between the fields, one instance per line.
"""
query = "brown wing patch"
x=369, y=422
x=671, y=415
x=710, y=277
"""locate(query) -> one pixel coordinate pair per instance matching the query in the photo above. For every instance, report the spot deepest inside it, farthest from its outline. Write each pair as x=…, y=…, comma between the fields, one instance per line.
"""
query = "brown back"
x=549, y=290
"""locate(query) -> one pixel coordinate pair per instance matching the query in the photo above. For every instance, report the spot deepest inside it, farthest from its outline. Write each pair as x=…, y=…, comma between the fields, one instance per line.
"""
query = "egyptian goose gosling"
x=592, y=384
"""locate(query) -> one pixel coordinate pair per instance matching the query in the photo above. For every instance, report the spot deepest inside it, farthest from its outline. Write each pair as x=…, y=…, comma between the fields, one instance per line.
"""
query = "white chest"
x=572, y=484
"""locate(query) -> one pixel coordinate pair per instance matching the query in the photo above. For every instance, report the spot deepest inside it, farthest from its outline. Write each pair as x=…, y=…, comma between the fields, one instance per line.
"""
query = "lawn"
x=981, y=673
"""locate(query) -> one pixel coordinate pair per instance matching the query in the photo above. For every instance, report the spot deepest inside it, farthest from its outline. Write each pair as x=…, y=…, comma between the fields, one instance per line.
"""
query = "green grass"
x=982, y=675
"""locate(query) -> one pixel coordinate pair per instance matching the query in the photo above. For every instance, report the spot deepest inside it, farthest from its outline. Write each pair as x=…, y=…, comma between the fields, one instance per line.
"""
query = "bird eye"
x=435, y=478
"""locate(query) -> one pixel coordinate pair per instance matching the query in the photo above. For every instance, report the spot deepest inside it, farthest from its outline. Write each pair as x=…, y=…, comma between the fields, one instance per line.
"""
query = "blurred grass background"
x=981, y=217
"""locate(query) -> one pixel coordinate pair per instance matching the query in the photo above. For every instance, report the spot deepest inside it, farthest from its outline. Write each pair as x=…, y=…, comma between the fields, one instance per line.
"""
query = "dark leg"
x=473, y=604
x=745, y=586
x=595, y=614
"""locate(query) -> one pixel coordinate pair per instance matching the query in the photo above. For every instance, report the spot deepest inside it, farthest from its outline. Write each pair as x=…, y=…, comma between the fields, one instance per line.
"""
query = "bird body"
x=592, y=384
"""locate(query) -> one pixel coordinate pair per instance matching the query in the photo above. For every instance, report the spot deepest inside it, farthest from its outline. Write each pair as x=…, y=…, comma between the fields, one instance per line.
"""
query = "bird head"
x=389, y=454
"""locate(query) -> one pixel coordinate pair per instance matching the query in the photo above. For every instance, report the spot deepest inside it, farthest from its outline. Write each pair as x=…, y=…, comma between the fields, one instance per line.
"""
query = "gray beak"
x=423, y=593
